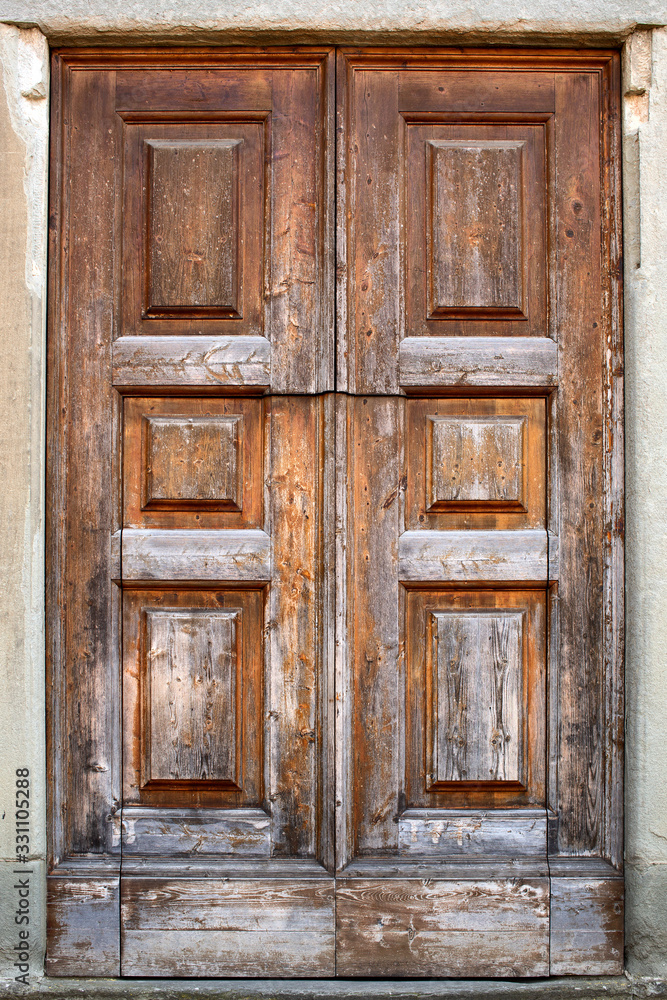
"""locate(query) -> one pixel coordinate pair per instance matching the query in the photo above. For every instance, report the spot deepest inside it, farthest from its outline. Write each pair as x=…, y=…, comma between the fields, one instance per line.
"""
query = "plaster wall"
x=23, y=221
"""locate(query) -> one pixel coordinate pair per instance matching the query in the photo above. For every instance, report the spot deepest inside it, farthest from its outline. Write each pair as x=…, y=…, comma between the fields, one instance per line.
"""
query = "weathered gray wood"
x=473, y=833
x=82, y=926
x=410, y=867
x=164, y=832
x=191, y=694
x=233, y=927
x=442, y=928
x=228, y=555
x=554, y=560
x=210, y=866
x=475, y=724
x=469, y=556
x=474, y=227
x=506, y=362
x=191, y=362
x=193, y=231
x=586, y=926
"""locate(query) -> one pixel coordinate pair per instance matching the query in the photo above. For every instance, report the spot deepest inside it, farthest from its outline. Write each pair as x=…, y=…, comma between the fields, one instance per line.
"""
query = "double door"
x=335, y=545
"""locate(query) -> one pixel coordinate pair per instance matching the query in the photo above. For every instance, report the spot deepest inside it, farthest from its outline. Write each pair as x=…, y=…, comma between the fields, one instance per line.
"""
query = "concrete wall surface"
x=23, y=226
x=341, y=20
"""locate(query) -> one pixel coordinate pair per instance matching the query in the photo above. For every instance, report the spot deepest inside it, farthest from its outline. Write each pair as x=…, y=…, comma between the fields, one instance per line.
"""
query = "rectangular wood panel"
x=194, y=462
x=474, y=460
x=467, y=556
x=193, y=459
x=587, y=926
x=194, y=227
x=232, y=927
x=475, y=711
x=82, y=926
x=475, y=678
x=192, y=696
x=411, y=928
x=475, y=227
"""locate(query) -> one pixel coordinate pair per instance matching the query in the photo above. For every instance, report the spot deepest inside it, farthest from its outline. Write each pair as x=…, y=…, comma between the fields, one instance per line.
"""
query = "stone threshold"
x=561, y=988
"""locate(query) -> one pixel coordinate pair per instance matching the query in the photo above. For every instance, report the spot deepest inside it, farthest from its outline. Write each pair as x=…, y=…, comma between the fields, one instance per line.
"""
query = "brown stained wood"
x=474, y=460
x=193, y=252
x=228, y=928
x=195, y=89
x=373, y=216
x=474, y=220
x=476, y=463
x=475, y=242
x=586, y=926
x=194, y=227
x=470, y=833
x=191, y=362
x=82, y=475
x=580, y=797
x=193, y=463
x=411, y=928
x=212, y=472
x=488, y=362
x=375, y=500
x=473, y=556
x=82, y=926
x=298, y=287
x=475, y=698
x=295, y=640
x=205, y=746
x=193, y=697
x=433, y=91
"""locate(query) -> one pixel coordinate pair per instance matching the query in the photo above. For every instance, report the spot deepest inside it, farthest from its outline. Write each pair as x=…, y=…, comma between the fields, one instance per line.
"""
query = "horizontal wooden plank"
x=498, y=362
x=471, y=556
x=240, y=832
x=586, y=927
x=433, y=928
x=457, y=90
x=465, y=833
x=471, y=869
x=204, y=927
x=225, y=555
x=82, y=926
x=191, y=362
x=251, y=953
x=211, y=867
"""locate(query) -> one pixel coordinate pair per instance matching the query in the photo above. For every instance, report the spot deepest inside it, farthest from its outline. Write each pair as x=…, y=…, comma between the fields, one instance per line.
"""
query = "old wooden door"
x=335, y=618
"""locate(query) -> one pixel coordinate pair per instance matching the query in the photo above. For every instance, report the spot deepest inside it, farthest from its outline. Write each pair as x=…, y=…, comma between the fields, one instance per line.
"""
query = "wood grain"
x=462, y=704
x=193, y=699
x=475, y=726
x=413, y=928
x=586, y=926
x=192, y=696
x=473, y=833
x=195, y=555
x=475, y=227
x=82, y=926
x=194, y=227
x=494, y=362
x=189, y=833
x=193, y=462
x=470, y=556
x=191, y=362
x=476, y=462
x=227, y=928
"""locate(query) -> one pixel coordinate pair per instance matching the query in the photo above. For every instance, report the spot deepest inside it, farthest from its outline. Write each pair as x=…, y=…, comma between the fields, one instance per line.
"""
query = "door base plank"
x=230, y=927
x=424, y=927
